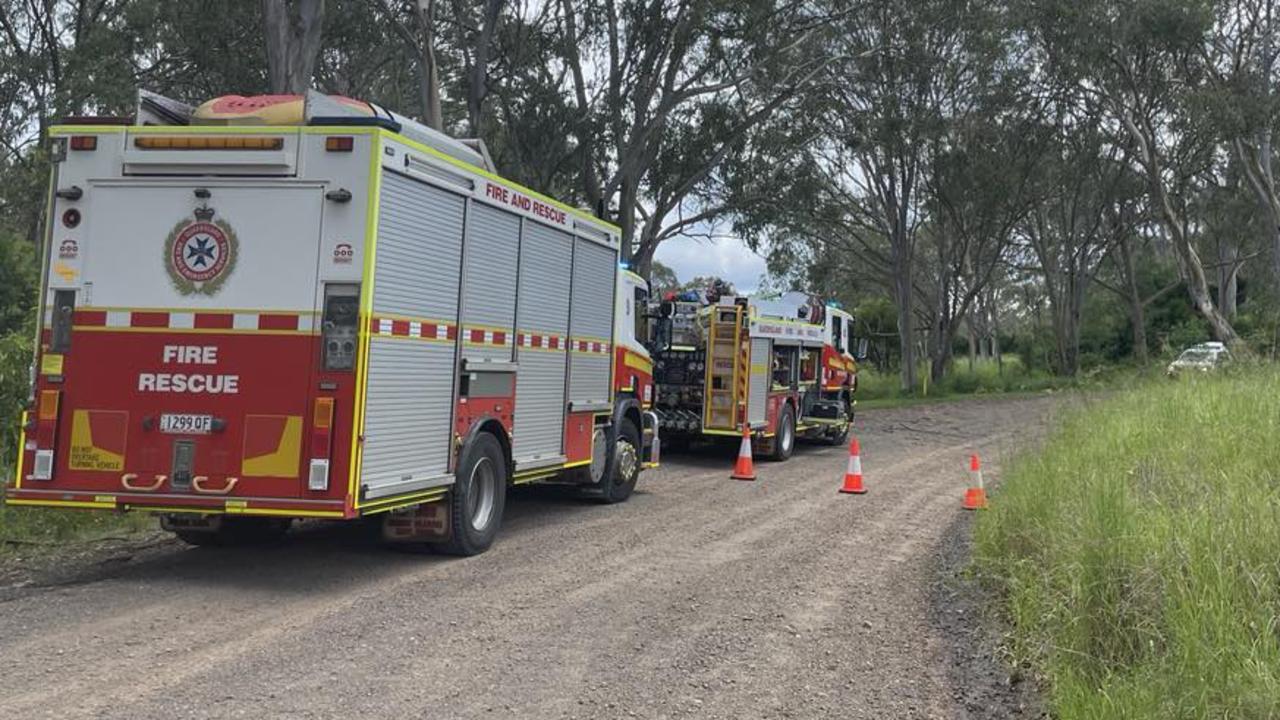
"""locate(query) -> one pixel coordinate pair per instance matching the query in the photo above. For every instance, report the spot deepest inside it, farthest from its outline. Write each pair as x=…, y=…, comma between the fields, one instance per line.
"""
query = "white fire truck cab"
x=782, y=368
x=282, y=307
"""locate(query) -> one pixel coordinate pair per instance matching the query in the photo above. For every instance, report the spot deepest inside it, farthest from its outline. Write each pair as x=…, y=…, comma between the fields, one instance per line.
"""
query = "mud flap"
x=651, y=453
x=428, y=523
x=191, y=522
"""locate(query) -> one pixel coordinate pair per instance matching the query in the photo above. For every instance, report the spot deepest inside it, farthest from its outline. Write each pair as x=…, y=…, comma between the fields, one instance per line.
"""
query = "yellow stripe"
x=541, y=472
x=726, y=433
x=525, y=480
x=61, y=503
x=22, y=449
x=579, y=463
x=366, y=312
x=637, y=362
x=237, y=511
x=432, y=495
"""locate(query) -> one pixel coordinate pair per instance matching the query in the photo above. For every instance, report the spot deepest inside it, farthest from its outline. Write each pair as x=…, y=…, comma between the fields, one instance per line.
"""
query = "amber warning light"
x=191, y=142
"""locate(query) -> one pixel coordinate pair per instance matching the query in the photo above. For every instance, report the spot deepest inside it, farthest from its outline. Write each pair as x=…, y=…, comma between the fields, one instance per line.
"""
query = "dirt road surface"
x=700, y=597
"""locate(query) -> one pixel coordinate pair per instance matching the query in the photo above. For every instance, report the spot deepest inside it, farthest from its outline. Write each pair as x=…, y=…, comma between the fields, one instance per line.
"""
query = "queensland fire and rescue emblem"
x=201, y=253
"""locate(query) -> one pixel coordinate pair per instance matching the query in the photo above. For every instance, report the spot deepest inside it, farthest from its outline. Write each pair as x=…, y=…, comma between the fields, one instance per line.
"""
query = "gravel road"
x=700, y=597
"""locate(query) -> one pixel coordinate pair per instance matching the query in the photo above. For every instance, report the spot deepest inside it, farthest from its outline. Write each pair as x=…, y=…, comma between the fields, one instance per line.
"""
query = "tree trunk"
x=973, y=350
x=903, y=296
x=1228, y=274
x=292, y=31
x=424, y=15
x=478, y=83
x=1190, y=269
x=1137, y=310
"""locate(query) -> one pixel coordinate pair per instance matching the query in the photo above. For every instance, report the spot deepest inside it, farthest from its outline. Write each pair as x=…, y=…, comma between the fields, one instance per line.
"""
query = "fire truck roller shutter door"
x=489, y=287
x=591, y=321
x=542, y=312
x=410, y=387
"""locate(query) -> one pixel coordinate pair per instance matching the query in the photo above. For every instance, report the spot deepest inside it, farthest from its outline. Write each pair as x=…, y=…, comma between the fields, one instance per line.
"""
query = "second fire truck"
x=782, y=368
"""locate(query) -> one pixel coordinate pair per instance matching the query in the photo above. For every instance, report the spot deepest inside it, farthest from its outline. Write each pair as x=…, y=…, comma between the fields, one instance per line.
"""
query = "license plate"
x=186, y=424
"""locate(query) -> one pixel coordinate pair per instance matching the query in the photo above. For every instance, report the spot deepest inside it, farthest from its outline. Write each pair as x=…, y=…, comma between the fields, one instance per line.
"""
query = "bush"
x=1135, y=555
x=15, y=379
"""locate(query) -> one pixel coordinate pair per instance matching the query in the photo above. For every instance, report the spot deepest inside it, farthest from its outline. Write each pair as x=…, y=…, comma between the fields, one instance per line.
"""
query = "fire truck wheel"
x=478, y=497
x=784, y=442
x=624, y=466
x=839, y=437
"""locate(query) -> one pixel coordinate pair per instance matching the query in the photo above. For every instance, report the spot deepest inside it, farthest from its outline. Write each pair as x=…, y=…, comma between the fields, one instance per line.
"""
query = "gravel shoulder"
x=700, y=597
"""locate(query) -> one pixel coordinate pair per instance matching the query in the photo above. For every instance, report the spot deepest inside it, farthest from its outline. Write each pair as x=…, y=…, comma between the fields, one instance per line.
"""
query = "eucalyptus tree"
x=665, y=90
x=291, y=29
x=1144, y=63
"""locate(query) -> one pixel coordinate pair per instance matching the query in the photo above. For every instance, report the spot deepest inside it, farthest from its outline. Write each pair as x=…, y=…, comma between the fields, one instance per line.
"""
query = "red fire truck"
x=782, y=367
x=281, y=307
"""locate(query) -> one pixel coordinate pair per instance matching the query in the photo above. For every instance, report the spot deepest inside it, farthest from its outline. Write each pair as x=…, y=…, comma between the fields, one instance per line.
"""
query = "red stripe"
x=537, y=341
x=451, y=332
x=215, y=321
x=427, y=330
x=555, y=343
x=149, y=319
x=277, y=322
x=375, y=324
x=400, y=327
x=477, y=336
x=499, y=338
x=90, y=318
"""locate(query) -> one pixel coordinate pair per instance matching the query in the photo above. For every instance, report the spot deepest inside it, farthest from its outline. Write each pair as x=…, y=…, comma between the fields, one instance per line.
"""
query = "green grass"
x=22, y=528
x=986, y=378
x=1136, y=556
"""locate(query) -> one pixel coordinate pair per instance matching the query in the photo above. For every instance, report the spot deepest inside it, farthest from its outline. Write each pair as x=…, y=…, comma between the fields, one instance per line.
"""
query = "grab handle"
x=197, y=484
x=127, y=480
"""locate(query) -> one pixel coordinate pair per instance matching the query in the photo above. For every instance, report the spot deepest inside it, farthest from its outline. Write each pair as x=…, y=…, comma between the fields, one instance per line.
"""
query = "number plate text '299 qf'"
x=198, y=383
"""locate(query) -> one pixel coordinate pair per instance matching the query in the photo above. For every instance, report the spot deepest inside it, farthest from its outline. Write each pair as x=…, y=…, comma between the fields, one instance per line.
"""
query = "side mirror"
x=860, y=352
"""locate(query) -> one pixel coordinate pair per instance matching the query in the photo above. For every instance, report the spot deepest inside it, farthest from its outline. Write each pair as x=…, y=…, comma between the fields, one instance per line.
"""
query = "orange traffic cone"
x=975, y=498
x=853, y=472
x=744, y=469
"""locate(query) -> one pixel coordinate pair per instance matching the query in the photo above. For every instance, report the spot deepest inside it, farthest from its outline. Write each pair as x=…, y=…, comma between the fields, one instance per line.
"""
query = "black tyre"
x=623, y=470
x=478, y=498
x=840, y=437
x=239, y=531
x=784, y=440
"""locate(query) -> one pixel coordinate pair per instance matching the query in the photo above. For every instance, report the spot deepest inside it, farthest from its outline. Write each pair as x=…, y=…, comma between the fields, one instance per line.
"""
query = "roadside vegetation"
x=1135, y=554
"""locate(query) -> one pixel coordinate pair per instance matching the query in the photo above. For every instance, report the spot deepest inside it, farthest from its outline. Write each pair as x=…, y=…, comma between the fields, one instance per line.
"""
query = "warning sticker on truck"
x=98, y=440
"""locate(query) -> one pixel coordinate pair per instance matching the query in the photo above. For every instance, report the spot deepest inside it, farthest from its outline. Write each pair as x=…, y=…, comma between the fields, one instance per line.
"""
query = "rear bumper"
x=156, y=502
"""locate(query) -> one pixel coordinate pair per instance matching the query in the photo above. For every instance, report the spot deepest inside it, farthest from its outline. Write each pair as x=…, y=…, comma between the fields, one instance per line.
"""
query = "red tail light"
x=321, y=442
x=84, y=142
x=46, y=433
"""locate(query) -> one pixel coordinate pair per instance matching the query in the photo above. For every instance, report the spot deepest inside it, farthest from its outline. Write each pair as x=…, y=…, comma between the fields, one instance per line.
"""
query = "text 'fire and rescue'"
x=526, y=203
x=189, y=382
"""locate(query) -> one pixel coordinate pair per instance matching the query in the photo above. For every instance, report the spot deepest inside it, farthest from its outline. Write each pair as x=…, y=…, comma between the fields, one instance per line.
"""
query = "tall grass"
x=986, y=376
x=1137, y=555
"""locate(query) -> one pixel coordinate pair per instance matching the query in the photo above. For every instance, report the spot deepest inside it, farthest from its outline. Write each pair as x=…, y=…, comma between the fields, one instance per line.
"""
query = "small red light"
x=84, y=142
x=71, y=218
x=339, y=143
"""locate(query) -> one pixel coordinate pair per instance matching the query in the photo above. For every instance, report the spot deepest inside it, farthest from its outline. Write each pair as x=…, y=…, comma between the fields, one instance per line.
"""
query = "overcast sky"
x=724, y=256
